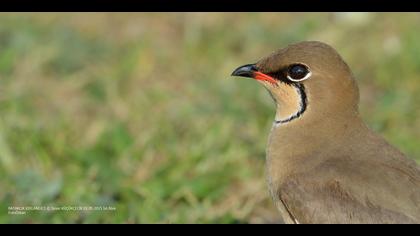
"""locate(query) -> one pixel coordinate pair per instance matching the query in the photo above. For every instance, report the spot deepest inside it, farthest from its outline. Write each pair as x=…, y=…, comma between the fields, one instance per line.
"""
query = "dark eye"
x=298, y=72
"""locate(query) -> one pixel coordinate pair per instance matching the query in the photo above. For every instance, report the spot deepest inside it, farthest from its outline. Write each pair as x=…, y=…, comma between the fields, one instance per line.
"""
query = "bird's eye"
x=298, y=72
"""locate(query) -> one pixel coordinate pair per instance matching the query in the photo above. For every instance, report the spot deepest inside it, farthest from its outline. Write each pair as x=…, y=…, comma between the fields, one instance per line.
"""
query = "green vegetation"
x=139, y=112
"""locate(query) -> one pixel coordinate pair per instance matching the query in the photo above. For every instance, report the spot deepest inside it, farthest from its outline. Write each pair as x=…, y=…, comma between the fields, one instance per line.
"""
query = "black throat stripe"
x=303, y=104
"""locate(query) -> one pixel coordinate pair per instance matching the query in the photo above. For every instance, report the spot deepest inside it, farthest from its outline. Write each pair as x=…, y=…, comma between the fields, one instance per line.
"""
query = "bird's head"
x=306, y=79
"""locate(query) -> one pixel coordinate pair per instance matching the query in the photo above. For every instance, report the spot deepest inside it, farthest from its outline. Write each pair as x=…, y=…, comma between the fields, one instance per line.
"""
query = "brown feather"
x=327, y=166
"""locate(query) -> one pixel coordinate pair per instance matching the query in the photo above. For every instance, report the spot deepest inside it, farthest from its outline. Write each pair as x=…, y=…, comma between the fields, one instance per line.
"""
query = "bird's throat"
x=291, y=103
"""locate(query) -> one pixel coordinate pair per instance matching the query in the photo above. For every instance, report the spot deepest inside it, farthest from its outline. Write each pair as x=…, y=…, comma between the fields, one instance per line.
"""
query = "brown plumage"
x=324, y=165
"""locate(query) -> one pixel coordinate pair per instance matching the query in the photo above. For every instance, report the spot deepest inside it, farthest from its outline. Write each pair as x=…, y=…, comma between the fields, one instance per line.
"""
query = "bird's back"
x=373, y=183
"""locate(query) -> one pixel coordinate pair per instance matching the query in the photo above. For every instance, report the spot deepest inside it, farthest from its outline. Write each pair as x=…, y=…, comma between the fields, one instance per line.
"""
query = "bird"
x=324, y=165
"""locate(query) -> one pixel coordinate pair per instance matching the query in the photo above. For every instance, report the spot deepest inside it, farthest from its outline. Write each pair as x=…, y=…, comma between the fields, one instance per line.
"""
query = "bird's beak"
x=251, y=71
x=245, y=71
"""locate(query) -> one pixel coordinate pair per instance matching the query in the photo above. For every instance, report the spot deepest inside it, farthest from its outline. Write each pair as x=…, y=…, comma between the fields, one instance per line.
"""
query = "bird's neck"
x=303, y=143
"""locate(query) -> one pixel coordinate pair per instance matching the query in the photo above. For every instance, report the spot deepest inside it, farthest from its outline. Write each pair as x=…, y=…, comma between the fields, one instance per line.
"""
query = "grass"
x=138, y=111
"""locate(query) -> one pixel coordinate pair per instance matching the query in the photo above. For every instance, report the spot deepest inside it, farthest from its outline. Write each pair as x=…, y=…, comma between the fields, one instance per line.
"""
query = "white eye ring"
x=299, y=80
x=302, y=79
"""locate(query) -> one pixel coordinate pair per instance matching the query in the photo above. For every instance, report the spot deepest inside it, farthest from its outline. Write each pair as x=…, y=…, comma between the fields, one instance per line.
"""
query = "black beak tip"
x=245, y=71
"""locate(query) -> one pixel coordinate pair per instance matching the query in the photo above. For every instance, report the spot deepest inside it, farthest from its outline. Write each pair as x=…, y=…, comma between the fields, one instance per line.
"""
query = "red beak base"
x=263, y=77
x=251, y=71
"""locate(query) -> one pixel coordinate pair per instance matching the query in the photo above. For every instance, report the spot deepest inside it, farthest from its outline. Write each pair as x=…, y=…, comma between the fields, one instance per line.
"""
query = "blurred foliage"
x=138, y=111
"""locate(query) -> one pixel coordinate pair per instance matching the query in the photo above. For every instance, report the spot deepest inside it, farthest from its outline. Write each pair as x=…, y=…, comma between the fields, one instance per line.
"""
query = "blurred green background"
x=138, y=111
